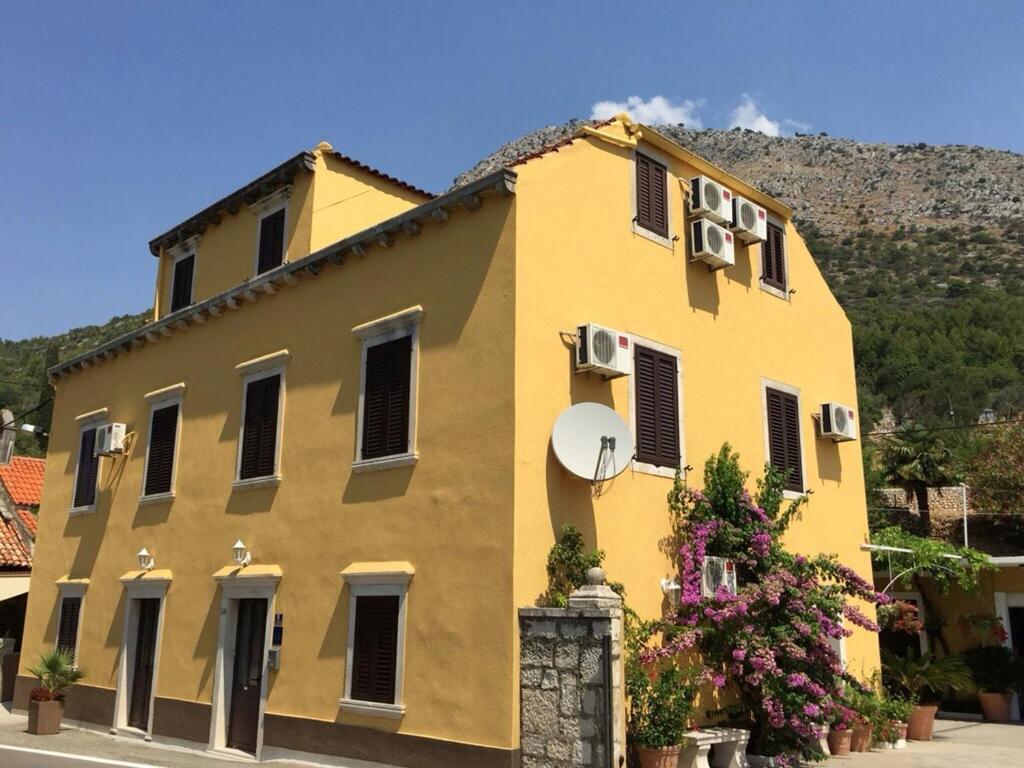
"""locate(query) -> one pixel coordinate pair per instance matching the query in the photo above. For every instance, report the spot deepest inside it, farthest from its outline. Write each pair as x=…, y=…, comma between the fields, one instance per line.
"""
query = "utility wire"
x=22, y=415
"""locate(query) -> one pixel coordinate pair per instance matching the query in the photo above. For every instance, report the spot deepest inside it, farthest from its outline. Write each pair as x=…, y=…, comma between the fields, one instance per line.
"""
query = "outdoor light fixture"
x=146, y=561
x=242, y=555
x=671, y=589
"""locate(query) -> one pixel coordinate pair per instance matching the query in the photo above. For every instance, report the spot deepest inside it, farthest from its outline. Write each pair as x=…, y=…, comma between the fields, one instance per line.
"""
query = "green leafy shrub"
x=568, y=564
x=57, y=672
x=927, y=677
x=993, y=667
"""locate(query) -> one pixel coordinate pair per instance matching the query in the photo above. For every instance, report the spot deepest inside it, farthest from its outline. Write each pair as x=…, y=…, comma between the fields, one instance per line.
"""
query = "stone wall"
x=942, y=502
x=572, y=702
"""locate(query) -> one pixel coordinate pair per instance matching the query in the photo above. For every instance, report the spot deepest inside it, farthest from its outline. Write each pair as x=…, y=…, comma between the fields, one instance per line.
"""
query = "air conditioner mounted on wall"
x=837, y=421
x=109, y=440
x=709, y=198
x=717, y=572
x=603, y=351
x=711, y=244
x=749, y=221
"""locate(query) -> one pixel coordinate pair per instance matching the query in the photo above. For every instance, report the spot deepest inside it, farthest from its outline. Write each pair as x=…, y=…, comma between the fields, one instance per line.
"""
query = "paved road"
x=13, y=757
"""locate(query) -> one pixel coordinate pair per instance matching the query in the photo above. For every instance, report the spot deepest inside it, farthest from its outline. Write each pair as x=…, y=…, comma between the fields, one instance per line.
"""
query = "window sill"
x=792, y=495
x=654, y=237
x=372, y=708
x=156, y=498
x=644, y=468
x=384, y=462
x=270, y=481
x=75, y=511
x=774, y=291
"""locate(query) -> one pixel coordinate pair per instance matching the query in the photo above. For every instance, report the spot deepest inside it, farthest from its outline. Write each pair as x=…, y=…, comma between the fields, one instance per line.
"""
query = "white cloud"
x=747, y=115
x=656, y=111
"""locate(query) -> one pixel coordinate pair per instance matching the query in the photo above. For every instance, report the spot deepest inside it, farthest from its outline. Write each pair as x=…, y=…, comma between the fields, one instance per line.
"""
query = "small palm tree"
x=56, y=670
x=915, y=459
x=915, y=676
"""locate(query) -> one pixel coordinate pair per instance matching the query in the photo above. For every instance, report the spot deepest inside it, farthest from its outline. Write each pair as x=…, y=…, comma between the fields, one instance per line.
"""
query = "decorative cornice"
x=272, y=200
x=411, y=223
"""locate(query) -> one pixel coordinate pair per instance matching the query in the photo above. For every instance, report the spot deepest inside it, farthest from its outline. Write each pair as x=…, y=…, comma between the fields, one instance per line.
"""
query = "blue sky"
x=118, y=120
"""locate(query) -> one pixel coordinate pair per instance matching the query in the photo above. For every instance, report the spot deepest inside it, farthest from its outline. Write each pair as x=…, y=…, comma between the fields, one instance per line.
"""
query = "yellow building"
x=355, y=382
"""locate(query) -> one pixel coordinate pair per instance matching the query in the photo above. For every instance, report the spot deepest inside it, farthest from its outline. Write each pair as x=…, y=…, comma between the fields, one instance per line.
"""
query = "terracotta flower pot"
x=44, y=717
x=995, y=706
x=839, y=741
x=658, y=757
x=922, y=722
x=861, y=739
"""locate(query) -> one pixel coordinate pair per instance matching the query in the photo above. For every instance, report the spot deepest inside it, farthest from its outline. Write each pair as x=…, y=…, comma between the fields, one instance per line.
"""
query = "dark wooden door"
x=247, y=677
x=145, y=655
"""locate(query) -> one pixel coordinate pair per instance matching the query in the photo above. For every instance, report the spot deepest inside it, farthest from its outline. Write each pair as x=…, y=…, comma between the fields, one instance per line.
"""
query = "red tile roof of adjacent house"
x=23, y=480
x=29, y=521
x=13, y=552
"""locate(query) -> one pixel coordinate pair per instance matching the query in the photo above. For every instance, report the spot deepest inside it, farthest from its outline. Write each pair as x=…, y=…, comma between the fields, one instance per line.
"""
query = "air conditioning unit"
x=749, y=221
x=603, y=351
x=716, y=572
x=711, y=199
x=109, y=440
x=711, y=244
x=837, y=422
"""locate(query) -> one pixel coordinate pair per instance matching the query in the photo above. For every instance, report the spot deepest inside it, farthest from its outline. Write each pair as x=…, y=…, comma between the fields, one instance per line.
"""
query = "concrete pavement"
x=956, y=744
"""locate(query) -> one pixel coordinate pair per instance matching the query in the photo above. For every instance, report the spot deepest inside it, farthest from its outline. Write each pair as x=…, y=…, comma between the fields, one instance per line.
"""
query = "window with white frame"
x=162, y=449
x=69, y=617
x=87, y=467
x=774, y=261
x=656, y=407
x=783, y=435
x=272, y=225
x=259, y=438
x=386, y=430
x=182, y=280
x=375, y=648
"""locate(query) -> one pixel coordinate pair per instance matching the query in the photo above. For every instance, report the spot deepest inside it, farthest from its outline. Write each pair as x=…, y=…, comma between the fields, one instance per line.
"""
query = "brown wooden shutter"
x=67, y=630
x=773, y=258
x=181, y=290
x=386, y=399
x=271, y=241
x=88, y=470
x=651, y=195
x=160, y=463
x=375, y=648
x=656, y=391
x=259, y=433
x=784, y=437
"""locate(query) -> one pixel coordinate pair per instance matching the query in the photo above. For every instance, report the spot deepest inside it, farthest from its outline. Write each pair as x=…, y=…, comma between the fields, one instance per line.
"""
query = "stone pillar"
x=572, y=701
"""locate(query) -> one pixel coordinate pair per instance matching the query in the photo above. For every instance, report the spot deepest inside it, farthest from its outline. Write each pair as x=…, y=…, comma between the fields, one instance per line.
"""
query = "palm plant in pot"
x=995, y=671
x=57, y=672
x=925, y=678
x=660, y=703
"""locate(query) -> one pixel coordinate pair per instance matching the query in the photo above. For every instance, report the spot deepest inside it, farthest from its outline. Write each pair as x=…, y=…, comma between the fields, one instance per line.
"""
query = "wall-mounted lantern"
x=146, y=561
x=671, y=589
x=242, y=555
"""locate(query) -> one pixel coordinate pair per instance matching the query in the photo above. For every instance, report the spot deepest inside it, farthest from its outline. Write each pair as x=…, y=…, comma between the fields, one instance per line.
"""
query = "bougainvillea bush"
x=771, y=643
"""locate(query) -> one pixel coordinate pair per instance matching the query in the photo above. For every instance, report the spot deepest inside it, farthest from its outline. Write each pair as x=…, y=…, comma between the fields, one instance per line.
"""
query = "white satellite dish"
x=592, y=441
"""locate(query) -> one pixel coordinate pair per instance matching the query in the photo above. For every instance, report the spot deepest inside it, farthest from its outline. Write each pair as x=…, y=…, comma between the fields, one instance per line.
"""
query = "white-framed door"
x=234, y=590
x=145, y=601
x=1004, y=602
x=915, y=599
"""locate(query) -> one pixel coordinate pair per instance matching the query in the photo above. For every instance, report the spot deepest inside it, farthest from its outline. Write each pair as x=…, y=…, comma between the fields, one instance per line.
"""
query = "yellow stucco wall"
x=579, y=261
x=957, y=603
x=450, y=515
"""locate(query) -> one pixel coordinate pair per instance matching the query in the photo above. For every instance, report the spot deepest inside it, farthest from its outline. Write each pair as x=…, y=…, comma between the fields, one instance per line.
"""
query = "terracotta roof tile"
x=23, y=479
x=13, y=553
x=380, y=174
x=29, y=521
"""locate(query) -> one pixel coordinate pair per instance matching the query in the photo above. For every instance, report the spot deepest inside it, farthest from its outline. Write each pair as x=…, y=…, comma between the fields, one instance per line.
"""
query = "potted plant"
x=660, y=702
x=867, y=705
x=840, y=737
x=924, y=679
x=894, y=713
x=995, y=671
x=57, y=672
